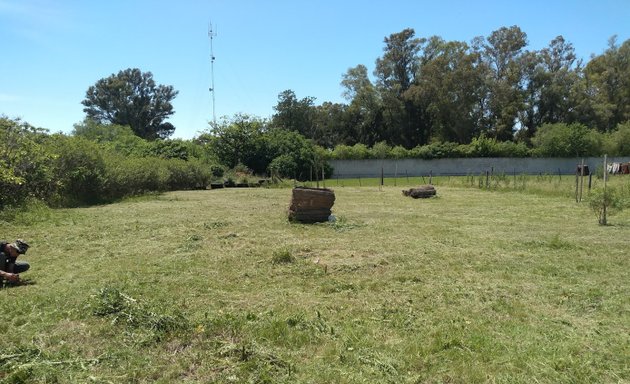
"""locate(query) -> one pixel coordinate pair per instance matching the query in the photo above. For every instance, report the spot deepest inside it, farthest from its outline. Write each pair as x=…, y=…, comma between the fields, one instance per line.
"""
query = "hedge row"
x=69, y=170
x=551, y=140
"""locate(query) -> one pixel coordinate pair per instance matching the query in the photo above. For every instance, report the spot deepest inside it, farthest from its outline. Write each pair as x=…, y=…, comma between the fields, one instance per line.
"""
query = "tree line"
x=430, y=99
x=428, y=90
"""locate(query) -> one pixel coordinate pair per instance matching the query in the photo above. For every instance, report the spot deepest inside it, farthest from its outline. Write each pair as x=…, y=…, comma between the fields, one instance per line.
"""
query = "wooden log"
x=422, y=192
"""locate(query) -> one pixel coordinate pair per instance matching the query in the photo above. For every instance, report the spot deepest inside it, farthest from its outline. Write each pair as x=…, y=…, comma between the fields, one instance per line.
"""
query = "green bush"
x=170, y=149
x=342, y=152
x=183, y=175
x=618, y=141
x=217, y=171
x=400, y=152
x=26, y=166
x=438, y=151
x=484, y=146
x=562, y=140
x=283, y=166
x=380, y=150
x=79, y=169
x=128, y=176
x=606, y=203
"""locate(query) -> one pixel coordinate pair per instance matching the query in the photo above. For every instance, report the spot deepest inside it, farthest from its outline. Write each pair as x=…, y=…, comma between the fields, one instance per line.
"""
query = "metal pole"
x=211, y=34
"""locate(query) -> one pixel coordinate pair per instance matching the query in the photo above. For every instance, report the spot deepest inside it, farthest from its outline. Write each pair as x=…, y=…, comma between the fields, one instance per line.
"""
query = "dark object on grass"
x=422, y=192
x=311, y=205
x=216, y=185
x=579, y=170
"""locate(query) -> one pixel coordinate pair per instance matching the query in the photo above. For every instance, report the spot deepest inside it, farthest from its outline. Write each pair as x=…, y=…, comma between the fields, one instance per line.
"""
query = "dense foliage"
x=89, y=167
x=251, y=142
x=429, y=90
x=551, y=140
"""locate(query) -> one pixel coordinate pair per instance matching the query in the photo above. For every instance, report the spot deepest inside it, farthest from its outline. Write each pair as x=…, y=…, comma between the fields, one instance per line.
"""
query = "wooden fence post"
x=581, y=179
x=604, y=221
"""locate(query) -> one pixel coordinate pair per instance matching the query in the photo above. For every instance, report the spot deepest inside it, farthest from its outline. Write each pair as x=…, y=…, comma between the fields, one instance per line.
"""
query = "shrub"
x=618, y=141
x=185, y=175
x=283, y=166
x=438, y=151
x=79, y=169
x=217, y=171
x=400, y=152
x=606, y=202
x=342, y=152
x=128, y=176
x=26, y=166
x=562, y=140
x=483, y=146
x=380, y=150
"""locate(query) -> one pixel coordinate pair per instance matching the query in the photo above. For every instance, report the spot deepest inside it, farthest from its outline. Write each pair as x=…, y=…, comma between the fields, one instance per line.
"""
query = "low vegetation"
x=474, y=285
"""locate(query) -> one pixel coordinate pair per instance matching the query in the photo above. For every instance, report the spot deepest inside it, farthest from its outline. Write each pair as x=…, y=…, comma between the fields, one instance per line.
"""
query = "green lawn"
x=216, y=286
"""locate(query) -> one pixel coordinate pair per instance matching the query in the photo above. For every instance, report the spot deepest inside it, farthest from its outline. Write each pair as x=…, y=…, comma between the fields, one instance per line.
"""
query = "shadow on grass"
x=16, y=285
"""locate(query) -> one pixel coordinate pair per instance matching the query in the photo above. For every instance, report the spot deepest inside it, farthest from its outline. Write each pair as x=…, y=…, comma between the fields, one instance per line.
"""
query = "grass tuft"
x=126, y=311
x=282, y=256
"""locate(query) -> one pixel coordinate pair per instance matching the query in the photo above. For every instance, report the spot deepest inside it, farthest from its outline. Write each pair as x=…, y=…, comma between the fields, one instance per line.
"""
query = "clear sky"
x=51, y=51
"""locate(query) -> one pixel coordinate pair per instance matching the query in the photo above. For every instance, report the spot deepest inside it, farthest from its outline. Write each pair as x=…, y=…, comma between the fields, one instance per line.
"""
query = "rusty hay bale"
x=422, y=192
x=311, y=205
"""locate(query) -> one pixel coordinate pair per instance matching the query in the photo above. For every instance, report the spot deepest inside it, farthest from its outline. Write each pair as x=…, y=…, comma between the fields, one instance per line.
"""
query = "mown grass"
x=217, y=286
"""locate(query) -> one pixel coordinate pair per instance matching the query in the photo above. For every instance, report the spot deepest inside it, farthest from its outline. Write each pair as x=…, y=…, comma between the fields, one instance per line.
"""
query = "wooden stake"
x=581, y=179
x=577, y=183
x=380, y=187
x=604, y=221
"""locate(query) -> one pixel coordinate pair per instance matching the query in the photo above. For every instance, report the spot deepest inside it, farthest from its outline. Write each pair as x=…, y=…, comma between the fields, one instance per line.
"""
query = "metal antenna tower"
x=212, y=34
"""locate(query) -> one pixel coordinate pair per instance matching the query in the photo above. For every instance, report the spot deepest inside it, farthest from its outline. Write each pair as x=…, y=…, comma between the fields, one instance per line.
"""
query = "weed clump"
x=282, y=256
x=127, y=311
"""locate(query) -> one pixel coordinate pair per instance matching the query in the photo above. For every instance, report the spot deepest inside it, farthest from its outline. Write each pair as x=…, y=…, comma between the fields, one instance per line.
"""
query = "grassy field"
x=216, y=286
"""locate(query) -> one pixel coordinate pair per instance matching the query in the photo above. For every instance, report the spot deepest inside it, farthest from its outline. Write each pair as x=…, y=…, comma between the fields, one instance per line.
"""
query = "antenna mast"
x=212, y=34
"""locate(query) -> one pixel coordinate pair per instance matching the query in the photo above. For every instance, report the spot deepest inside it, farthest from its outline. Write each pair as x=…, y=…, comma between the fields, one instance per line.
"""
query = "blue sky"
x=53, y=50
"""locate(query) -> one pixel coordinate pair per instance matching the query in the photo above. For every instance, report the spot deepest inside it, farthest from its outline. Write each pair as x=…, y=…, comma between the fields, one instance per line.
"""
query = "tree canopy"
x=132, y=98
x=426, y=90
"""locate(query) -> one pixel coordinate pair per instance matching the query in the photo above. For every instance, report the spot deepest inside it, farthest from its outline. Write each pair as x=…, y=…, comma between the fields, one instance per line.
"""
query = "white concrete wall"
x=464, y=166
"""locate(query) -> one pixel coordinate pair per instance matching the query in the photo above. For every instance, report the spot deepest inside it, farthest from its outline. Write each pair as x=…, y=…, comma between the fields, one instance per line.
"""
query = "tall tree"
x=330, y=124
x=293, y=114
x=448, y=88
x=396, y=71
x=132, y=98
x=550, y=74
x=607, y=87
x=364, y=113
x=503, y=53
x=240, y=140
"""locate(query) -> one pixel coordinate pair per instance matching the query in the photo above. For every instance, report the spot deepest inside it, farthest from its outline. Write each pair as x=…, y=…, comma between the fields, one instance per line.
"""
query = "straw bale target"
x=311, y=205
